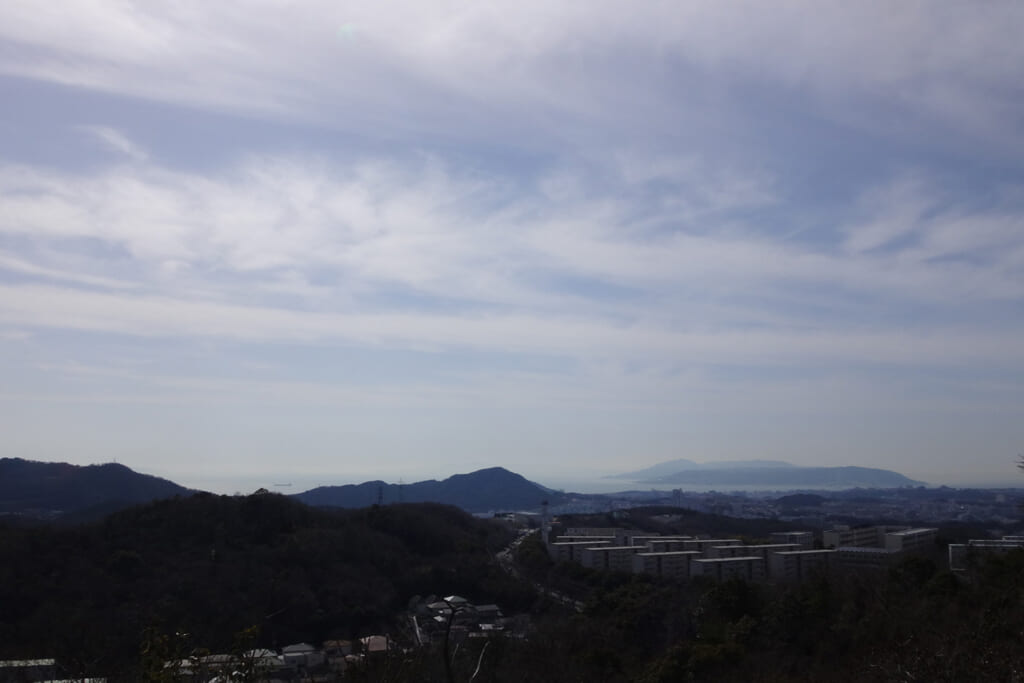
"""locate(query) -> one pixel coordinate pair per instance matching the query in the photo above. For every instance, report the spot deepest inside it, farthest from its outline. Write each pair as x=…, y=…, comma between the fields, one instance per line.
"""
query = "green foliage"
x=911, y=623
x=213, y=566
x=532, y=556
x=157, y=583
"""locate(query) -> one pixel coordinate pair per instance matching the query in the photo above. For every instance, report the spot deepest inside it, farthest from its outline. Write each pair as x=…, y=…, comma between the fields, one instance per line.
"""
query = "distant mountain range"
x=770, y=474
x=494, y=488
x=48, y=489
x=79, y=493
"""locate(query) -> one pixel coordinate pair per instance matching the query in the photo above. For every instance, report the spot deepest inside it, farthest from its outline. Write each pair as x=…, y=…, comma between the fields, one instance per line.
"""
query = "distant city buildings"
x=791, y=556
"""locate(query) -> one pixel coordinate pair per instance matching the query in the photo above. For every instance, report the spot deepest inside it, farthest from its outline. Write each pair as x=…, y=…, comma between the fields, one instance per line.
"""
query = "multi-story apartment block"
x=855, y=537
x=564, y=538
x=610, y=558
x=722, y=568
x=797, y=565
x=762, y=551
x=909, y=540
x=898, y=539
x=572, y=551
x=702, y=544
x=644, y=540
x=805, y=539
x=864, y=557
x=626, y=536
x=960, y=553
x=591, y=531
x=670, y=565
x=666, y=544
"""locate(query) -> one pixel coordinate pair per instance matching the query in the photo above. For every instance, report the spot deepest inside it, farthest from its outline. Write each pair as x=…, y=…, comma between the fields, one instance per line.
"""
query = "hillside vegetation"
x=211, y=566
x=913, y=622
x=49, y=489
x=115, y=598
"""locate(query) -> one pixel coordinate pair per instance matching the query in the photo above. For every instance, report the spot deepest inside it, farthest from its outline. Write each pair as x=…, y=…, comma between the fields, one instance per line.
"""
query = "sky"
x=324, y=242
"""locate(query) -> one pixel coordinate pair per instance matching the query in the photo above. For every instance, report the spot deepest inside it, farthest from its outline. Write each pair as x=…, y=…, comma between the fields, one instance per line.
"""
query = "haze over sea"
x=584, y=483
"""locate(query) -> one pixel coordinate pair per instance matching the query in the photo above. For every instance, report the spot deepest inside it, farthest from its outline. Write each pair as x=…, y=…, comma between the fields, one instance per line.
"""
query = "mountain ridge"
x=492, y=488
x=61, y=489
x=40, y=490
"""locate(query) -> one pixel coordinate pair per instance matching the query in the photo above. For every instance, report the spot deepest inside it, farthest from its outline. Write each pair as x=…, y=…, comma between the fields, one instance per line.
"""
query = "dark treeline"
x=213, y=566
x=118, y=597
x=913, y=622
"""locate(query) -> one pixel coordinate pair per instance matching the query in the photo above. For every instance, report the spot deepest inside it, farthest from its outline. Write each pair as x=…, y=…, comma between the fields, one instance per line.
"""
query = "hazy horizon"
x=408, y=238
x=600, y=482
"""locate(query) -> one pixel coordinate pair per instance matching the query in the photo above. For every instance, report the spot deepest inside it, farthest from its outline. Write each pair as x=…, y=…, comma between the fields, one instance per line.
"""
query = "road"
x=506, y=560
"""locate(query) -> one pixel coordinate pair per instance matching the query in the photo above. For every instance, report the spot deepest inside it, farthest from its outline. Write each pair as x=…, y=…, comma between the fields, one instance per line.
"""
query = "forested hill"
x=51, y=488
x=210, y=566
x=494, y=488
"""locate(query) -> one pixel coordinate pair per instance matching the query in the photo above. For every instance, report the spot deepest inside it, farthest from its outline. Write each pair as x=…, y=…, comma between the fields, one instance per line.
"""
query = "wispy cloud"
x=13, y=264
x=412, y=65
x=116, y=141
x=661, y=212
x=304, y=226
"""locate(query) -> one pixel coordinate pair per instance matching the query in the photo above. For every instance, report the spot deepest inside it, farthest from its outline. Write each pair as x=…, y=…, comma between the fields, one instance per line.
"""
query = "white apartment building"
x=670, y=564
x=609, y=531
x=625, y=536
x=565, y=538
x=572, y=551
x=960, y=553
x=855, y=537
x=762, y=551
x=805, y=539
x=909, y=540
x=702, y=544
x=864, y=557
x=615, y=558
x=644, y=540
x=722, y=568
x=797, y=565
x=667, y=544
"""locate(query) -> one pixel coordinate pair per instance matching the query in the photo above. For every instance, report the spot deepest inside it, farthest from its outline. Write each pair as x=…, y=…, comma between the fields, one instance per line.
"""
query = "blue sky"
x=246, y=242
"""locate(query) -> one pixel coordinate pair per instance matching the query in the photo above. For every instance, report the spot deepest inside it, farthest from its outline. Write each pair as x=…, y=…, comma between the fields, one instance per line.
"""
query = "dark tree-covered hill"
x=202, y=570
x=49, y=488
x=211, y=566
x=494, y=488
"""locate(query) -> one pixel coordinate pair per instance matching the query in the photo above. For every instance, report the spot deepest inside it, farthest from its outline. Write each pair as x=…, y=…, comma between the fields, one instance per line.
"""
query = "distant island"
x=768, y=474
